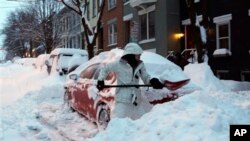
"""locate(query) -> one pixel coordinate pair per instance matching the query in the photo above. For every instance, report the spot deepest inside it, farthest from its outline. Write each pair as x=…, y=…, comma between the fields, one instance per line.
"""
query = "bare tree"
x=199, y=30
x=32, y=26
x=19, y=33
x=80, y=7
x=45, y=11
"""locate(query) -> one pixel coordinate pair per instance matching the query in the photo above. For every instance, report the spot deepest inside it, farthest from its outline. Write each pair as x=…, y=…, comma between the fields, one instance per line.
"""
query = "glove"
x=100, y=85
x=156, y=83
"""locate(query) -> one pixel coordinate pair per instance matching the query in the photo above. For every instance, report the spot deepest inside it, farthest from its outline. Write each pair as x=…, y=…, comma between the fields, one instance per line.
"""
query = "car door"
x=85, y=96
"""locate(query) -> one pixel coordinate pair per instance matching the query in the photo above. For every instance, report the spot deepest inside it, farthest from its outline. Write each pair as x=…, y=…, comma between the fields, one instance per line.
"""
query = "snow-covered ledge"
x=222, y=52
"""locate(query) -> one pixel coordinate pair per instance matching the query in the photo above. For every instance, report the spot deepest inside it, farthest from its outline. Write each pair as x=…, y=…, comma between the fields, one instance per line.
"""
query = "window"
x=223, y=32
x=94, y=8
x=111, y=4
x=88, y=12
x=245, y=75
x=147, y=23
x=89, y=71
x=112, y=33
x=223, y=74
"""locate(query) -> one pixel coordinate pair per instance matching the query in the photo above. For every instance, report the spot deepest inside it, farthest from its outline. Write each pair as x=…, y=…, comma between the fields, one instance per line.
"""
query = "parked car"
x=82, y=95
x=25, y=61
x=40, y=62
x=60, y=59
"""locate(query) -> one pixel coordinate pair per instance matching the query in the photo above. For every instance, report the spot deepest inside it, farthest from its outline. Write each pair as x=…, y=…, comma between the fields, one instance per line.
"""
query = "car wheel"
x=103, y=117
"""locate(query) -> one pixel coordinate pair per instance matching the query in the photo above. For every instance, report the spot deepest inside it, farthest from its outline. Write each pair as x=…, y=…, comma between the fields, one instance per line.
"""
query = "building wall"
x=69, y=29
x=109, y=15
x=166, y=24
x=233, y=66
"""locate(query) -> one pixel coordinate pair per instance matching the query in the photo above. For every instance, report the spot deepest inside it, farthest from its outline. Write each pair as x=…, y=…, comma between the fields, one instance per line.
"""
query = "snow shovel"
x=168, y=84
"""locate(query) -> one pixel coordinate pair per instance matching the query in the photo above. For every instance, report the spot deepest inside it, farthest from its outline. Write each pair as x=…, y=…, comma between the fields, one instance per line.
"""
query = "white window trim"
x=146, y=12
x=111, y=6
x=128, y=17
x=249, y=12
x=112, y=22
x=147, y=41
x=225, y=19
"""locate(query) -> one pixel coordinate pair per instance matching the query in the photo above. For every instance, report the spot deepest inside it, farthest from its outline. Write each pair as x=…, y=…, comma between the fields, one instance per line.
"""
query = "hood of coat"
x=132, y=48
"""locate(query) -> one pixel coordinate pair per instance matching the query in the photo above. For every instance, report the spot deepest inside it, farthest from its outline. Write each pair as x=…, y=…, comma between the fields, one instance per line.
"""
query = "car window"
x=89, y=72
x=97, y=72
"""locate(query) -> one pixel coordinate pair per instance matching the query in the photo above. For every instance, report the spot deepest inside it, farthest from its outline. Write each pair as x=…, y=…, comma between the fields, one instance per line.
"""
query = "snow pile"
x=194, y=117
x=202, y=75
x=202, y=115
x=15, y=85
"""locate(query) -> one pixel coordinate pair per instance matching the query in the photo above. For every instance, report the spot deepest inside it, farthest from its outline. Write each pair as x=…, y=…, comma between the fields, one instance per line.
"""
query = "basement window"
x=222, y=74
x=245, y=75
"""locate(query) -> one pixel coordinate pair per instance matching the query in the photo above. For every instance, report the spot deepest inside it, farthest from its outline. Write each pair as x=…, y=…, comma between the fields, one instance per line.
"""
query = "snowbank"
x=202, y=75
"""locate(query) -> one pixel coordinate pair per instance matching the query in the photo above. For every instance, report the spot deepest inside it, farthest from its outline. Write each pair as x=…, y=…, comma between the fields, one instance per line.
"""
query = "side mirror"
x=73, y=76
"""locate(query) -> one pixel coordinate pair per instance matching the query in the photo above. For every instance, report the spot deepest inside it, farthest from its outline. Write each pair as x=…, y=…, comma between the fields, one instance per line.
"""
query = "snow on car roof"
x=68, y=51
x=157, y=65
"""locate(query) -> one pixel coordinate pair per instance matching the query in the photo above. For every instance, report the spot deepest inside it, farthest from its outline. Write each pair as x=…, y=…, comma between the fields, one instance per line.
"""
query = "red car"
x=82, y=95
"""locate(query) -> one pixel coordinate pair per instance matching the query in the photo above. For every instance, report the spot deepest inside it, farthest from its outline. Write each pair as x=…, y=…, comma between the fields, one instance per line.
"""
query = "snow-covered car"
x=41, y=61
x=61, y=59
x=82, y=95
x=25, y=61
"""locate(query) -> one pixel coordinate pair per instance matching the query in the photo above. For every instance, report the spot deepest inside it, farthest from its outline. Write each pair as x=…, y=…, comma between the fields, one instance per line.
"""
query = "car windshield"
x=64, y=60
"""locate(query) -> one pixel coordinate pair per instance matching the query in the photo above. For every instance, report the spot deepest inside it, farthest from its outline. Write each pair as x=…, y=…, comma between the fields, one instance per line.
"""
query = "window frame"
x=220, y=21
x=111, y=4
x=147, y=12
x=94, y=8
x=112, y=36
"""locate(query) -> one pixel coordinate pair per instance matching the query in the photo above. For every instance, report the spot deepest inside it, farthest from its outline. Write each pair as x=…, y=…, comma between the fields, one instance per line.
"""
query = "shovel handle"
x=124, y=86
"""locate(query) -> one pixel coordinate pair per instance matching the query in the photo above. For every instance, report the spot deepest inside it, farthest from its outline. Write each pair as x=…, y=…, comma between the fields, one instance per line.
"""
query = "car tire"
x=103, y=117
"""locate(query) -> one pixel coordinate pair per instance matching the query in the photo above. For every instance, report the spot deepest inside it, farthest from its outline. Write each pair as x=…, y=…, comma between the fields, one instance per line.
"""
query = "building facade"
x=228, y=42
x=150, y=23
x=112, y=33
x=67, y=24
x=153, y=24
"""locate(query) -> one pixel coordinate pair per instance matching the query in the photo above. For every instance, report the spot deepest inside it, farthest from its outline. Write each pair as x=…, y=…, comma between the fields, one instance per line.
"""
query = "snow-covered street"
x=32, y=108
